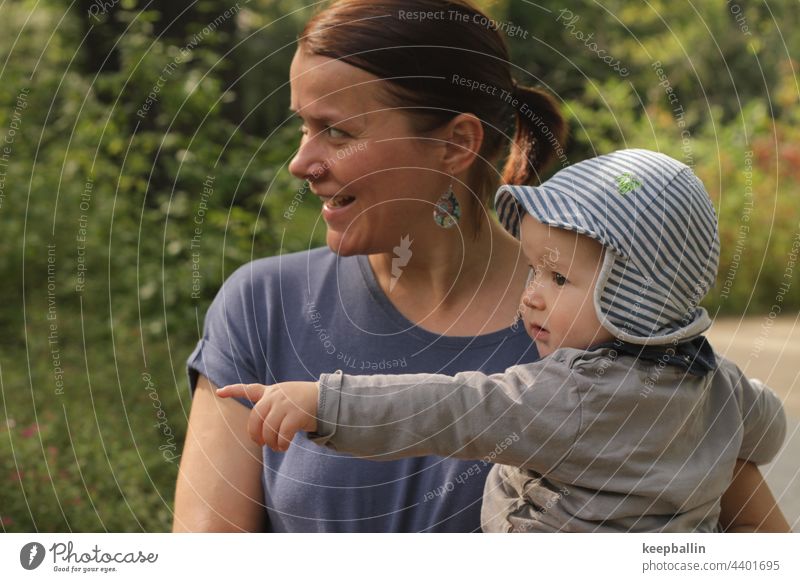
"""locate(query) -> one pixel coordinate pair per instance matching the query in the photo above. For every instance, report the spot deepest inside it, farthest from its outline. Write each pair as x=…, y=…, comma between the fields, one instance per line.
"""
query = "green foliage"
x=130, y=194
x=91, y=481
x=127, y=219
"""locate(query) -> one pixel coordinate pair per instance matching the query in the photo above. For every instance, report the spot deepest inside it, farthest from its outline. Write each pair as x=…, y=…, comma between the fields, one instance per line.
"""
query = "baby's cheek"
x=543, y=349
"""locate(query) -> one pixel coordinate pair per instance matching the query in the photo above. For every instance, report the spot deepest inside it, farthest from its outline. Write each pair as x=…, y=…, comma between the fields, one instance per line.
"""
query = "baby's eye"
x=559, y=279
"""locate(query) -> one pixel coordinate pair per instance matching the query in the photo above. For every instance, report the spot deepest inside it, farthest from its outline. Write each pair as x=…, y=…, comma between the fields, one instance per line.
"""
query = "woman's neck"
x=464, y=283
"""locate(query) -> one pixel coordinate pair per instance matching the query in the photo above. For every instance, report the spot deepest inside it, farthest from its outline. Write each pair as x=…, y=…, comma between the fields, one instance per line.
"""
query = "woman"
x=399, y=143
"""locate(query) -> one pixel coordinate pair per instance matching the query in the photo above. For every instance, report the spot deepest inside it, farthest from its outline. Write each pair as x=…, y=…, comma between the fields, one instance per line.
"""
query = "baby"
x=629, y=422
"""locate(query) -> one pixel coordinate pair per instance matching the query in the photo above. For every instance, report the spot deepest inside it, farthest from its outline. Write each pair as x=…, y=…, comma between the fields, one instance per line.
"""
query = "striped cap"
x=658, y=226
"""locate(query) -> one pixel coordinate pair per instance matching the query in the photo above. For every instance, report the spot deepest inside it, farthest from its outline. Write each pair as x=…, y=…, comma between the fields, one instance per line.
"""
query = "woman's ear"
x=463, y=139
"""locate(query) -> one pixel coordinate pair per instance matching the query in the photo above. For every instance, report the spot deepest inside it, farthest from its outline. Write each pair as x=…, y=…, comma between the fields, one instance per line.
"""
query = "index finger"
x=252, y=392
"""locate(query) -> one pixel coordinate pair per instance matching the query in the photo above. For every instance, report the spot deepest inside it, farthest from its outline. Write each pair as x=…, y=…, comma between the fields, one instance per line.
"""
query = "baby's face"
x=557, y=304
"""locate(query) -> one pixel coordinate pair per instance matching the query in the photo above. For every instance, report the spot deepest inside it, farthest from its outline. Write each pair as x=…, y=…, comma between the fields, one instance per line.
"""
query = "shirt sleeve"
x=226, y=352
x=528, y=416
x=763, y=419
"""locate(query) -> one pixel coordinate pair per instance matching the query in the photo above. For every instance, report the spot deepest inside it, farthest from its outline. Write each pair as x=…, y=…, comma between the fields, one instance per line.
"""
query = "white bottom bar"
x=406, y=557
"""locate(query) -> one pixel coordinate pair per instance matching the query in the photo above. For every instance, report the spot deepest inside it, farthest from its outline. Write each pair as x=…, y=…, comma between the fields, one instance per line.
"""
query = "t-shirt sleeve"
x=527, y=416
x=762, y=416
x=764, y=421
x=226, y=353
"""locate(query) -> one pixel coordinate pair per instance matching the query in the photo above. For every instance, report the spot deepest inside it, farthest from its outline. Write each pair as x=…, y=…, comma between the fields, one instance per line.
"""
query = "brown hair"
x=438, y=67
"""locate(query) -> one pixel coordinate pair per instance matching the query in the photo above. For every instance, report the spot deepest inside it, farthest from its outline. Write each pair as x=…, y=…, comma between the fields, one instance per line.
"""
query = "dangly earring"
x=447, y=210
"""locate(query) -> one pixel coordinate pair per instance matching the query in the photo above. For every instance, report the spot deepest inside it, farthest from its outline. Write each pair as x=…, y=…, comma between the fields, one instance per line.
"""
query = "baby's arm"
x=528, y=416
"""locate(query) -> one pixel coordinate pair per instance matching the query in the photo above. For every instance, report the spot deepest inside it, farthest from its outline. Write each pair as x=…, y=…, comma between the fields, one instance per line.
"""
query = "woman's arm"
x=748, y=504
x=219, y=481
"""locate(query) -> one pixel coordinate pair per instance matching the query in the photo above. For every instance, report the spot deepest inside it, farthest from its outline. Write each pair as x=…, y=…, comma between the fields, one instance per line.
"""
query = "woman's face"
x=376, y=179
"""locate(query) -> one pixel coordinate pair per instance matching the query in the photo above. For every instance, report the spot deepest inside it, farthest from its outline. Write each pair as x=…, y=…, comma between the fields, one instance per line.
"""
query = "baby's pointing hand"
x=280, y=410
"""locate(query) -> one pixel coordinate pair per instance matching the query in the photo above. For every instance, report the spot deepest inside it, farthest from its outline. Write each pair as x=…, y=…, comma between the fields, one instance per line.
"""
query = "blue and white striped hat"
x=658, y=226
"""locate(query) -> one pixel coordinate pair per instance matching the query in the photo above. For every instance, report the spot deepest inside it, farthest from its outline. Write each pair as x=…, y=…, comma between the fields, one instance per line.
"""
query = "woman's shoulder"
x=281, y=282
x=285, y=269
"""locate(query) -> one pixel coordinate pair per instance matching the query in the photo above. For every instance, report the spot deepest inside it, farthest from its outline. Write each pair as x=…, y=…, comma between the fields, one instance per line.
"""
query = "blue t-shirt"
x=294, y=317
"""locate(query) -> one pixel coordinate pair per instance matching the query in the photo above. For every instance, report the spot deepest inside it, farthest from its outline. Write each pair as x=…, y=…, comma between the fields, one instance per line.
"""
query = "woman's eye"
x=336, y=133
x=559, y=279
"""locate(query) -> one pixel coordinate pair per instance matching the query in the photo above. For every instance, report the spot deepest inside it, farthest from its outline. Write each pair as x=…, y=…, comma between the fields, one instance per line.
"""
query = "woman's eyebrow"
x=325, y=117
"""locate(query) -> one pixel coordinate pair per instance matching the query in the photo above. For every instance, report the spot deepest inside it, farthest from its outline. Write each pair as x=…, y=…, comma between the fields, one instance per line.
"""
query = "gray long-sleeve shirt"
x=586, y=440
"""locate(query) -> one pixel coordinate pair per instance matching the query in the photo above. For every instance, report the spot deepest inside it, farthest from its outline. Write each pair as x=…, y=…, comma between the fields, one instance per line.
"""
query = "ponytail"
x=540, y=136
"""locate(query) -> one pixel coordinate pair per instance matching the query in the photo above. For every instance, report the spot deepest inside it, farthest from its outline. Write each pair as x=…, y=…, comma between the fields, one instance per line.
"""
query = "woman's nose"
x=307, y=163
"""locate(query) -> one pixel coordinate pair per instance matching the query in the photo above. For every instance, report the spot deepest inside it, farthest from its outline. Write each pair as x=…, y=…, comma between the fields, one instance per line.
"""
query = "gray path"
x=769, y=349
x=783, y=476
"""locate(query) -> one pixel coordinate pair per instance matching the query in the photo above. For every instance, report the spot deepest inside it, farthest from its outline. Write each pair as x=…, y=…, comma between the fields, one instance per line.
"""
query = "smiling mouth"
x=338, y=201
